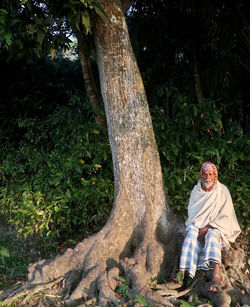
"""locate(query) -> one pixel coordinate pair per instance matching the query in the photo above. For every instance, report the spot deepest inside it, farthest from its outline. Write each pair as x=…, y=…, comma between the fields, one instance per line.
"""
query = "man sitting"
x=211, y=224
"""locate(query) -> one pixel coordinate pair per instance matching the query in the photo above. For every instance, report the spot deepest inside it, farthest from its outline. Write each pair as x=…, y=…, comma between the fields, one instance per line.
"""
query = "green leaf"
x=77, y=20
x=99, y=10
x=52, y=53
x=185, y=304
x=86, y=21
x=141, y=300
x=7, y=38
x=179, y=276
x=122, y=279
x=4, y=252
x=84, y=2
x=40, y=37
x=40, y=212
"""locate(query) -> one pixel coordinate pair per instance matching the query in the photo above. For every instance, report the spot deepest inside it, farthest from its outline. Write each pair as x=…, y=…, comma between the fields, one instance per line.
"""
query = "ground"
x=13, y=273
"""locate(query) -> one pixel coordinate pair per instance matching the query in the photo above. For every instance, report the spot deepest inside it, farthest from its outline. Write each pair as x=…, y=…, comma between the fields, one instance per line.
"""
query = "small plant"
x=123, y=289
x=142, y=301
x=4, y=252
x=179, y=276
x=196, y=301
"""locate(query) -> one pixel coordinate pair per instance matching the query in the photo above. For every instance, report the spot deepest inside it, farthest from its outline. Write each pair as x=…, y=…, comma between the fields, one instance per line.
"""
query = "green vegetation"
x=58, y=181
x=16, y=262
x=193, y=136
x=56, y=170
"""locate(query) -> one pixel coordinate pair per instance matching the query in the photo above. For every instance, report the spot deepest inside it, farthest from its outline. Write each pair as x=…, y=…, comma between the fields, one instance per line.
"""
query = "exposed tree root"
x=27, y=290
x=100, y=282
x=92, y=271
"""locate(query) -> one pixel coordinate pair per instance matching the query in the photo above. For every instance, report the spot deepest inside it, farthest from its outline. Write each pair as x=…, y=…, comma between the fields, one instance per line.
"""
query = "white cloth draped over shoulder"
x=214, y=208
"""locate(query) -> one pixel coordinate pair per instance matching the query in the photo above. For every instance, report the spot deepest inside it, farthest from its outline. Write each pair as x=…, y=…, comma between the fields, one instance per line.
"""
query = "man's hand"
x=202, y=233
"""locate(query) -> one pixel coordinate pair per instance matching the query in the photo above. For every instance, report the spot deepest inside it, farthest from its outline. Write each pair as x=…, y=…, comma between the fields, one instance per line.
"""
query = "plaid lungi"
x=197, y=256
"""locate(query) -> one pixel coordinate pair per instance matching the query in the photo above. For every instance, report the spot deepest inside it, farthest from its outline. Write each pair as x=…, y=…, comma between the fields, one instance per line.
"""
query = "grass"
x=22, y=251
x=14, y=267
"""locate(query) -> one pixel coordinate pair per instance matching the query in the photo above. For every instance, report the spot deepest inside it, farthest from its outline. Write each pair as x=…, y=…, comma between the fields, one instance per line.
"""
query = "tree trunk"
x=90, y=83
x=197, y=76
x=138, y=239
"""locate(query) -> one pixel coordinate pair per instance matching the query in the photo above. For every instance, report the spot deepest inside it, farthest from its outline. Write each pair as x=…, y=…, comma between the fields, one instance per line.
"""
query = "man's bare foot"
x=216, y=278
x=214, y=286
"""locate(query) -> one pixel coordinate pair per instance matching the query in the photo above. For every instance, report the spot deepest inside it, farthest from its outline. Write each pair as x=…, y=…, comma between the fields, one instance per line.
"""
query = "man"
x=211, y=224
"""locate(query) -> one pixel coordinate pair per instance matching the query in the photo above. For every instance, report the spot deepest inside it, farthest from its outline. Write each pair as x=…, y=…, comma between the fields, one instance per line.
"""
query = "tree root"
x=106, y=293
x=98, y=279
x=91, y=271
x=27, y=290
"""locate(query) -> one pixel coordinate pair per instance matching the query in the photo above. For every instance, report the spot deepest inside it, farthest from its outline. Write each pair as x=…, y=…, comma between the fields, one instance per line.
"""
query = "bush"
x=57, y=181
x=193, y=135
x=59, y=178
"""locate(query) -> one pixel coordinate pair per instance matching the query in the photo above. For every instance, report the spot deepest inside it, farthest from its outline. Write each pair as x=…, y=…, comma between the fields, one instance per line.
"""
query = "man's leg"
x=190, y=252
x=216, y=278
x=211, y=259
x=189, y=257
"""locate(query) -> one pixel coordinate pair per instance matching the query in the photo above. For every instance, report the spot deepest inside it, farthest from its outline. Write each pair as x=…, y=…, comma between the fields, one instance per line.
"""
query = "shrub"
x=193, y=135
x=59, y=178
x=57, y=181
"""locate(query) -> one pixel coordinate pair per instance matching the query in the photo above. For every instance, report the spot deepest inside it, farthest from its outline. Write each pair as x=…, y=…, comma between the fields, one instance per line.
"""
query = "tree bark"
x=89, y=80
x=197, y=77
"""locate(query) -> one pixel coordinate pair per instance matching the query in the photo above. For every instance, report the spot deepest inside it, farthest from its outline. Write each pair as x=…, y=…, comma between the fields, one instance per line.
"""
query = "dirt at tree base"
x=237, y=273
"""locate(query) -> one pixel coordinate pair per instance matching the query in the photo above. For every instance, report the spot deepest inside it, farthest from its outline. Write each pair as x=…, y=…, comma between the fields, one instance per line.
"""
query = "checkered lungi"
x=197, y=256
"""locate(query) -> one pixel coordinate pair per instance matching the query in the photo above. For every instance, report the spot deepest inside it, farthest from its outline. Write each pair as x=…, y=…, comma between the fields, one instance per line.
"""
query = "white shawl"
x=214, y=208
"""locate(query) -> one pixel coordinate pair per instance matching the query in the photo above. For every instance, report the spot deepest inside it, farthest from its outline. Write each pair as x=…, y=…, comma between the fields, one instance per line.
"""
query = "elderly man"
x=211, y=224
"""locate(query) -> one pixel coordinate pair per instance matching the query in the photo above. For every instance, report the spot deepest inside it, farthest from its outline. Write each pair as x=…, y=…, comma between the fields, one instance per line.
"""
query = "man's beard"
x=207, y=184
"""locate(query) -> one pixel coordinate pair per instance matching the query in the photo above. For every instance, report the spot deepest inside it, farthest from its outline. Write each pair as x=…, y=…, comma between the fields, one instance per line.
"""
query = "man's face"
x=207, y=177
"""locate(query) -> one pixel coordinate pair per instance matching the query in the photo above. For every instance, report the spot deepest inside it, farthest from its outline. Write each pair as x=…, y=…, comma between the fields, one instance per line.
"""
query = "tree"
x=136, y=236
x=142, y=237
x=204, y=43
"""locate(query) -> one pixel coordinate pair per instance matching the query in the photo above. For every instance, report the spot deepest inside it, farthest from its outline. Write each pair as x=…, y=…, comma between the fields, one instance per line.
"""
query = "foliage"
x=4, y=252
x=142, y=301
x=30, y=28
x=59, y=178
x=27, y=29
x=196, y=301
x=196, y=135
x=35, y=89
x=79, y=13
x=17, y=261
x=123, y=289
x=213, y=34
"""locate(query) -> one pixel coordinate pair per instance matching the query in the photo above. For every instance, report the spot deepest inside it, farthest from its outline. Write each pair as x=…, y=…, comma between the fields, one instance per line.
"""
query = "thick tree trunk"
x=138, y=239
